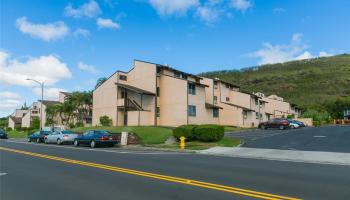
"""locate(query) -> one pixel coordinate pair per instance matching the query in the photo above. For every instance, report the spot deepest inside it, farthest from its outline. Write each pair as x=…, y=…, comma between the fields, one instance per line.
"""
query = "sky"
x=70, y=44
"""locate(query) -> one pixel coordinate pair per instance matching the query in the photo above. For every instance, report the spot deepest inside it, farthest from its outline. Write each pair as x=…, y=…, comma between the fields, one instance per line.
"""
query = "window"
x=122, y=96
x=215, y=99
x=256, y=102
x=192, y=110
x=191, y=88
x=227, y=98
x=227, y=85
x=257, y=115
x=157, y=112
x=215, y=112
x=177, y=74
x=158, y=92
x=122, y=77
x=245, y=114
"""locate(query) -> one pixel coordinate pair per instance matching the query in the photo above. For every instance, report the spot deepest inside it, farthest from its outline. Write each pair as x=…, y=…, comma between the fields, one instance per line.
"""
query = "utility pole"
x=42, y=99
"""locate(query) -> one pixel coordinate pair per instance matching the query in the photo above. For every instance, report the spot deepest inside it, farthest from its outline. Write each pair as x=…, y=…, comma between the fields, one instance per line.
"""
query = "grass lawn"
x=17, y=134
x=146, y=134
x=197, y=145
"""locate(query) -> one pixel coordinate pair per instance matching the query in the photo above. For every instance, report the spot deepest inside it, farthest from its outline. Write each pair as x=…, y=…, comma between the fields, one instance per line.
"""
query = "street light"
x=42, y=99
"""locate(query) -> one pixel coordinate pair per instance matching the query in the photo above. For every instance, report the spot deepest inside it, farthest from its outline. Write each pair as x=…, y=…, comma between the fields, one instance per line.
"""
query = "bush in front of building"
x=8, y=129
x=81, y=124
x=105, y=121
x=185, y=130
x=209, y=133
x=35, y=123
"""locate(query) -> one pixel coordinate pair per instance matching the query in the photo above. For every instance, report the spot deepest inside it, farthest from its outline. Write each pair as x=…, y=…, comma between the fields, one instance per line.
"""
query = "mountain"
x=307, y=83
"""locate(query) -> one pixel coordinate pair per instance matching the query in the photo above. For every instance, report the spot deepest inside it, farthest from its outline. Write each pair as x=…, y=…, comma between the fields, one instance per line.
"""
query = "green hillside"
x=308, y=83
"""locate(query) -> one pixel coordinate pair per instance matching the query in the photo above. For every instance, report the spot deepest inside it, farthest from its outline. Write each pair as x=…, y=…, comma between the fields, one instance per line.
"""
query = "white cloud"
x=208, y=14
x=46, y=32
x=9, y=95
x=324, y=54
x=44, y=68
x=241, y=5
x=49, y=93
x=296, y=50
x=173, y=7
x=90, y=9
x=88, y=68
x=81, y=32
x=8, y=102
x=107, y=23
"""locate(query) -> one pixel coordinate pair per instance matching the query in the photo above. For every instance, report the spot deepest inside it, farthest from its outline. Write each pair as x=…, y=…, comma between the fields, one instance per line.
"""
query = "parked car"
x=95, y=138
x=3, y=134
x=301, y=124
x=61, y=137
x=38, y=136
x=275, y=123
x=293, y=124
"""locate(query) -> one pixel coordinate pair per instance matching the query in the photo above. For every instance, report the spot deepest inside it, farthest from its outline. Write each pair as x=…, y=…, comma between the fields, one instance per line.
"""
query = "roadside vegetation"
x=317, y=85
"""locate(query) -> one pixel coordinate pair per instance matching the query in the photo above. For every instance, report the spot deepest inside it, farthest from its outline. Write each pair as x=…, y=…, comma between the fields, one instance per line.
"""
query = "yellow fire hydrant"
x=182, y=142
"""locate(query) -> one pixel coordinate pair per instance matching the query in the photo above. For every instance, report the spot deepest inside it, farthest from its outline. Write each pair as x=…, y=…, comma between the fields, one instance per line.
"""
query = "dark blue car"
x=301, y=124
x=3, y=134
x=95, y=138
x=38, y=136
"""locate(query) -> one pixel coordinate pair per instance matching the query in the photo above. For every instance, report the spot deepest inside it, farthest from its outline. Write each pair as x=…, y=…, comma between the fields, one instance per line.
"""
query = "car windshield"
x=45, y=132
x=68, y=132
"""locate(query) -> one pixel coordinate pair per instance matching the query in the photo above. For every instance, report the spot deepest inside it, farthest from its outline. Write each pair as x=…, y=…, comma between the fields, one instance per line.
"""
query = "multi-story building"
x=15, y=119
x=154, y=94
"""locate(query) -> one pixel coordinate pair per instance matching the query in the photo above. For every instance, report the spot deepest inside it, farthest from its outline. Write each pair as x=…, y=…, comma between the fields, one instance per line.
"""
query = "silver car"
x=60, y=137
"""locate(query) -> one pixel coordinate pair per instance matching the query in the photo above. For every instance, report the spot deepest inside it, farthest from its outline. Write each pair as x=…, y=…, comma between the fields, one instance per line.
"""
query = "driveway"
x=328, y=138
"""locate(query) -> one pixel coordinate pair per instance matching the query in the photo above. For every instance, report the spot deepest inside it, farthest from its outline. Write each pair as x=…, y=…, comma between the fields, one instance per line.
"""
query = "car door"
x=50, y=137
x=85, y=137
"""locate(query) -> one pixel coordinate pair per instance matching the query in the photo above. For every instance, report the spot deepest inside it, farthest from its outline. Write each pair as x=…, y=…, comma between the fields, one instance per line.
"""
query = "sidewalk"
x=319, y=157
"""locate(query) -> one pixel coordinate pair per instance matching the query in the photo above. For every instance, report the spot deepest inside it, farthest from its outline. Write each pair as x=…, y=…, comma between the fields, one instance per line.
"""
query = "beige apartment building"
x=154, y=94
x=15, y=119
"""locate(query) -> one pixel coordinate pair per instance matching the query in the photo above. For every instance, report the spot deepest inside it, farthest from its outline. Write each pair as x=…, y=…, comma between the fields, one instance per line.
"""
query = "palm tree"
x=100, y=81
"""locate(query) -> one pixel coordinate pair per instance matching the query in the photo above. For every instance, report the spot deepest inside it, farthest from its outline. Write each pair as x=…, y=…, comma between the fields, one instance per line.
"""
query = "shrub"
x=8, y=129
x=35, y=123
x=18, y=127
x=209, y=133
x=80, y=124
x=105, y=121
x=24, y=129
x=71, y=125
x=185, y=130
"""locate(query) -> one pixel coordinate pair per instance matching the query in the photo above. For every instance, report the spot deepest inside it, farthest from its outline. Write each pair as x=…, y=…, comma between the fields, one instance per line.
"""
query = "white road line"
x=101, y=150
x=3, y=174
x=319, y=136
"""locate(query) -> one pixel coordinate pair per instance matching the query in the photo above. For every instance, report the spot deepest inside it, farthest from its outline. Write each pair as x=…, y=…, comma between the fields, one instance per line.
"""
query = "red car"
x=275, y=123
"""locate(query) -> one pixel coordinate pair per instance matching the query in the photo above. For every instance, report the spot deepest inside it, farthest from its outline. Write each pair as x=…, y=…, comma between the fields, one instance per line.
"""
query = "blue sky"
x=70, y=44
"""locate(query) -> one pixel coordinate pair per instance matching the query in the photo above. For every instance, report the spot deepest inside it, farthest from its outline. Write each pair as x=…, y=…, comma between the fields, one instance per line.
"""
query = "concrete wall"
x=11, y=123
x=26, y=120
x=105, y=101
x=172, y=101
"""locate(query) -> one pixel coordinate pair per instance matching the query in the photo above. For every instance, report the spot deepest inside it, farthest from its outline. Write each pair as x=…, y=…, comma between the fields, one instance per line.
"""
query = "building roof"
x=49, y=102
x=225, y=82
x=65, y=93
x=135, y=89
x=16, y=120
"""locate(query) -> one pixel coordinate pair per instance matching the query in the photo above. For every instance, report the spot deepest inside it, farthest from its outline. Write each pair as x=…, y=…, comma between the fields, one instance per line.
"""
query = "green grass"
x=17, y=134
x=197, y=145
x=146, y=134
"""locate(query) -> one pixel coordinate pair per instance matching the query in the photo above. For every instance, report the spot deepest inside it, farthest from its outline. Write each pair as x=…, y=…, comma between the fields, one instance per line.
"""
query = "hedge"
x=185, y=130
x=209, y=133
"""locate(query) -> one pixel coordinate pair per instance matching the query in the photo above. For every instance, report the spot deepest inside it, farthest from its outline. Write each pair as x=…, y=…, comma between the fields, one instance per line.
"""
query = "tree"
x=81, y=103
x=51, y=112
x=25, y=107
x=35, y=123
x=100, y=81
x=337, y=107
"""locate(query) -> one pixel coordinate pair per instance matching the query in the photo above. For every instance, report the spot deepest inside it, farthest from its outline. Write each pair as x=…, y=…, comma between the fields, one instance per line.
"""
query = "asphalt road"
x=328, y=138
x=24, y=175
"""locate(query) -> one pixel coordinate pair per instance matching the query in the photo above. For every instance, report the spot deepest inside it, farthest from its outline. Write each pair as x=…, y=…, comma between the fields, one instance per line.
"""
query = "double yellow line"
x=223, y=188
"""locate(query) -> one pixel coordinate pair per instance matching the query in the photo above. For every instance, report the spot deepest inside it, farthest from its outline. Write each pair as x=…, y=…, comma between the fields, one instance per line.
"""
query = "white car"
x=292, y=124
x=60, y=137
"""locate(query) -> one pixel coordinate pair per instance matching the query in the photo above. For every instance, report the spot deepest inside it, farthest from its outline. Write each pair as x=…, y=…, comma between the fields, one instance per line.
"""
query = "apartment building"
x=15, y=118
x=154, y=94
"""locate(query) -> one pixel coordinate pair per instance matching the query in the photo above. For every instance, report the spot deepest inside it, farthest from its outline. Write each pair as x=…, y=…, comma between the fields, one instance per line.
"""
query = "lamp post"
x=42, y=99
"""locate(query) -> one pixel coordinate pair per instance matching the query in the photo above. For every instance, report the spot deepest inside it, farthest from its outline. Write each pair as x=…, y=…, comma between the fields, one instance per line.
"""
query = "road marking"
x=319, y=136
x=101, y=150
x=223, y=188
x=3, y=174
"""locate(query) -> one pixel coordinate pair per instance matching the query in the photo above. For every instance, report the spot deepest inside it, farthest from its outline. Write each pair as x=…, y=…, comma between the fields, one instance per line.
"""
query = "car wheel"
x=76, y=143
x=38, y=140
x=263, y=127
x=29, y=140
x=92, y=144
x=292, y=127
x=281, y=127
x=111, y=145
x=59, y=141
x=46, y=142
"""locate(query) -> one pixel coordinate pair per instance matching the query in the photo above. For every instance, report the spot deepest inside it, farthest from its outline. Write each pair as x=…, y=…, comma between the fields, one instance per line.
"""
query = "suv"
x=279, y=123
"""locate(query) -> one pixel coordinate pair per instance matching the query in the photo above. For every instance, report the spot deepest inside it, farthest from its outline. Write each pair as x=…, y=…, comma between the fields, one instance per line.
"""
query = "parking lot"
x=327, y=138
